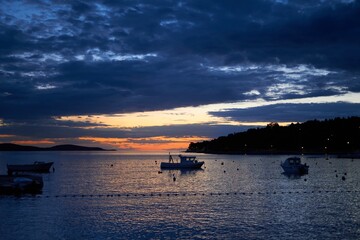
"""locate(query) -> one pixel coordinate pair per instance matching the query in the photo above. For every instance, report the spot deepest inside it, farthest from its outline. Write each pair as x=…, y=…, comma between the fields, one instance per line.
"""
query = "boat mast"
x=170, y=158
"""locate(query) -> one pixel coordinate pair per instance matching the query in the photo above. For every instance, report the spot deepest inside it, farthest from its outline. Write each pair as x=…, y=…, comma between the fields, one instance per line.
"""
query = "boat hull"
x=295, y=169
x=20, y=184
x=36, y=167
x=166, y=165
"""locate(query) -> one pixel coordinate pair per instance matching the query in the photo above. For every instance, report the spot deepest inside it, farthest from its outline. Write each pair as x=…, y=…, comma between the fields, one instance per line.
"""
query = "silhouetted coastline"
x=335, y=136
x=66, y=147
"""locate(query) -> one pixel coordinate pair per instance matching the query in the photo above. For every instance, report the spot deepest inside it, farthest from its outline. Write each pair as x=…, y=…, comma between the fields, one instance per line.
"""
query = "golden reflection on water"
x=110, y=195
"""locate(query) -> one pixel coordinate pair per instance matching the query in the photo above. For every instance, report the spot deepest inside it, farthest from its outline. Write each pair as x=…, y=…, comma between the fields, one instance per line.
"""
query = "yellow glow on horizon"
x=199, y=114
x=176, y=116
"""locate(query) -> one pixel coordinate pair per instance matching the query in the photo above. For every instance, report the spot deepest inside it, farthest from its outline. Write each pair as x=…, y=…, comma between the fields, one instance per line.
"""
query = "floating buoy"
x=174, y=178
x=343, y=178
x=222, y=163
x=305, y=179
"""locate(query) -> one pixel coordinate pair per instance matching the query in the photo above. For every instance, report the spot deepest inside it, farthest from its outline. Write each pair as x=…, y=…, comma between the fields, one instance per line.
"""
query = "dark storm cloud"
x=292, y=112
x=101, y=57
x=38, y=130
x=204, y=130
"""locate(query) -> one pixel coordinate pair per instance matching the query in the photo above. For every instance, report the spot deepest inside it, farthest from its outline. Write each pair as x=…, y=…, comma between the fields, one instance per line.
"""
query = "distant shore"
x=66, y=147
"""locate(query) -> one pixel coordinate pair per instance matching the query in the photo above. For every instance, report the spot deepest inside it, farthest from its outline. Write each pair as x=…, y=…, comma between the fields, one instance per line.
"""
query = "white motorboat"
x=293, y=165
x=186, y=162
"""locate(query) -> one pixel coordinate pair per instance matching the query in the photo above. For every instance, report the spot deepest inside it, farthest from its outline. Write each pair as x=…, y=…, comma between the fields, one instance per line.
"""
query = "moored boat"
x=293, y=165
x=186, y=162
x=40, y=167
x=19, y=184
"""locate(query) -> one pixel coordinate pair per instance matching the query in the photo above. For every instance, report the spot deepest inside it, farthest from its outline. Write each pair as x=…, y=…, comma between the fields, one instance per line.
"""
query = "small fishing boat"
x=186, y=162
x=293, y=165
x=40, y=167
x=19, y=184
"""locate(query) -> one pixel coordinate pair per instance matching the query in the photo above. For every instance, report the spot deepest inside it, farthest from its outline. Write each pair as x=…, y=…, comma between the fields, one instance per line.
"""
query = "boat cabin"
x=293, y=161
x=187, y=158
x=293, y=165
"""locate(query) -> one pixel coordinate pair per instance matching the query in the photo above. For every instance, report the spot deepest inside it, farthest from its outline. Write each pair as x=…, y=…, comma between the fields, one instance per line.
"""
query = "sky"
x=155, y=75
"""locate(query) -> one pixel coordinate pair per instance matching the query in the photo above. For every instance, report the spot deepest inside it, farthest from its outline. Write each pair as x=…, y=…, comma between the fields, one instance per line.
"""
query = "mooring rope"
x=184, y=194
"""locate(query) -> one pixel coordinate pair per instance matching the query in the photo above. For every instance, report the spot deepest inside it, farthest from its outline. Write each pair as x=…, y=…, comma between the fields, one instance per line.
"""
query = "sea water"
x=109, y=195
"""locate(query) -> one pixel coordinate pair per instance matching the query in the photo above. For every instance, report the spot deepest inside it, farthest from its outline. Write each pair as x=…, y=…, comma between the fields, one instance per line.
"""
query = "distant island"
x=66, y=147
x=334, y=136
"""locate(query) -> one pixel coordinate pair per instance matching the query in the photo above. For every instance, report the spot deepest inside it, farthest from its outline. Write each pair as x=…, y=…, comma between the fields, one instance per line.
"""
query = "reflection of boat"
x=40, y=167
x=292, y=175
x=293, y=165
x=187, y=171
x=18, y=184
x=186, y=162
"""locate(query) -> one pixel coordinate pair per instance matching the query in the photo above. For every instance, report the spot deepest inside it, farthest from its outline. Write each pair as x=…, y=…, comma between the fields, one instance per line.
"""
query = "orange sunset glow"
x=180, y=119
x=152, y=144
x=33, y=142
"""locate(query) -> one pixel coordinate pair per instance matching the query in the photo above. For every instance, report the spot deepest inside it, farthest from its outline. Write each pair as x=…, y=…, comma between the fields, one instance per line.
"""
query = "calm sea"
x=108, y=195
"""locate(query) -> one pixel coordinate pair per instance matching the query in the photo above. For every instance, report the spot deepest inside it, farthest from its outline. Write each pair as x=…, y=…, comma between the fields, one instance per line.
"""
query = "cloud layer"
x=110, y=57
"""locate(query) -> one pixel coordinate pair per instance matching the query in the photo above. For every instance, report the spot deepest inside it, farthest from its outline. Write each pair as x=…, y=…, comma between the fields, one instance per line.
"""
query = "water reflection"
x=180, y=172
x=293, y=175
x=107, y=196
x=190, y=171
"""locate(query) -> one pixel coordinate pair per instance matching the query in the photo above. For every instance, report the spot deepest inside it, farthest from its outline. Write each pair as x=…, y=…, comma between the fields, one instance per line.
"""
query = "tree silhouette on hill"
x=334, y=136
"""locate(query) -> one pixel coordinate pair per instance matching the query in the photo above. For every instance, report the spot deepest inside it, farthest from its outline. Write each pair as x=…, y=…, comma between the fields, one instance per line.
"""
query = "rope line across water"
x=139, y=195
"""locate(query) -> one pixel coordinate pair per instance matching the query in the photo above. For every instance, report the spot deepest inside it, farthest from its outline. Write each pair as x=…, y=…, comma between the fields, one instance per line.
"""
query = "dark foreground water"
x=106, y=195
